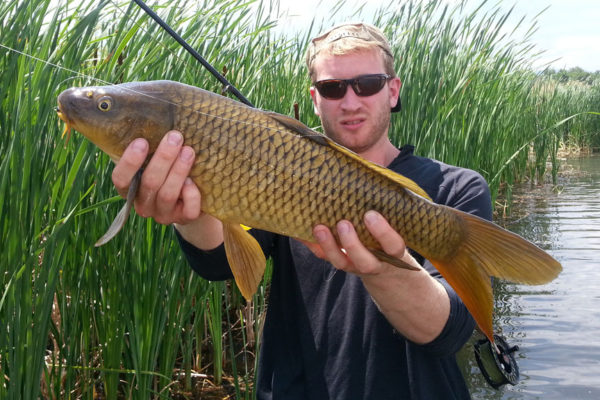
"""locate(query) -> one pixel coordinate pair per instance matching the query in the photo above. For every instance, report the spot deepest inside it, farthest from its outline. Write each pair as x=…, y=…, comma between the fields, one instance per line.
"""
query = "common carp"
x=271, y=172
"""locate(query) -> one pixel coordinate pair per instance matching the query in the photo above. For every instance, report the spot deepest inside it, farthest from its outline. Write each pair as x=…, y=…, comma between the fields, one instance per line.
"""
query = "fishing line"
x=80, y=74
x=155, y=40
x=226, y=85
x=233, y=104
x=77, y=73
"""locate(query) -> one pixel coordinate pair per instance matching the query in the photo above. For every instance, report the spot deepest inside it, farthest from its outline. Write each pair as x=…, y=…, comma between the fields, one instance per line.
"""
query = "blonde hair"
x=350, y=38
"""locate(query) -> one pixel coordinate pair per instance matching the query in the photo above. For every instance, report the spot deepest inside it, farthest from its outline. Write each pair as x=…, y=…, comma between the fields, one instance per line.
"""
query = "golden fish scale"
x=252, y=170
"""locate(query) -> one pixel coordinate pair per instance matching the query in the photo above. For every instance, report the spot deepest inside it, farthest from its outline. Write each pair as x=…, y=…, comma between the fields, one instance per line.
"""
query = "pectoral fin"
x=122, y=216
x=396, y=262
x=246, y=258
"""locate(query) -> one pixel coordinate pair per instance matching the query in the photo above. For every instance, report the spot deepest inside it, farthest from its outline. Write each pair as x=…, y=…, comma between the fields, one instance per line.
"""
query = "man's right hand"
x=166, y=192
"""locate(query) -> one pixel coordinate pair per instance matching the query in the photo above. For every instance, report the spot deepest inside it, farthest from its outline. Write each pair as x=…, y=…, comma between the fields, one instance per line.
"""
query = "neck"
x=382, y=153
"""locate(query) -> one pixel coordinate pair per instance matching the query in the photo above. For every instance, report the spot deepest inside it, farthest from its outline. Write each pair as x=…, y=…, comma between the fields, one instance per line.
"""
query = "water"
x=556, y=326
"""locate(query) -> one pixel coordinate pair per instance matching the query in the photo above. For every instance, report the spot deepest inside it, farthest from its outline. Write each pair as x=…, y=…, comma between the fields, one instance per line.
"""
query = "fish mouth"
x=64, y=118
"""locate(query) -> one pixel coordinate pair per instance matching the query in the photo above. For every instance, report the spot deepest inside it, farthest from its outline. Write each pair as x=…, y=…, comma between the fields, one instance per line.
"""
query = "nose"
x=351, y=100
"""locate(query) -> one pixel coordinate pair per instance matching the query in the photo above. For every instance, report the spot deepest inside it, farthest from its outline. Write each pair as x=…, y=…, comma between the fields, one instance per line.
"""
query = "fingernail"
x=140, y=145
x=175, y=138
x=188, y=181
x=187, y=154
x=371, y=217
x=320, y=235
x=343, y=227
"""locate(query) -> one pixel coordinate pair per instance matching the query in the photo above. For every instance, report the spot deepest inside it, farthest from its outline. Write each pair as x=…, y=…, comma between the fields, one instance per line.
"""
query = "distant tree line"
x=574, y=74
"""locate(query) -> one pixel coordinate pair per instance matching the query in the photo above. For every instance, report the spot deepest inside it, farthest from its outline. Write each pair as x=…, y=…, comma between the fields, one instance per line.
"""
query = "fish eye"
x=105, y=103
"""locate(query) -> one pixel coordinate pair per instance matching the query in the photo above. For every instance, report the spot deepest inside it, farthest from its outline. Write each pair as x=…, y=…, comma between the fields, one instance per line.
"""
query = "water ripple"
x=557, y=325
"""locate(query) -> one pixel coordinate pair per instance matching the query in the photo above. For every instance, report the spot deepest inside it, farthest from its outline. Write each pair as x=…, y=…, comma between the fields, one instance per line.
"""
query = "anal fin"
x=246, y=258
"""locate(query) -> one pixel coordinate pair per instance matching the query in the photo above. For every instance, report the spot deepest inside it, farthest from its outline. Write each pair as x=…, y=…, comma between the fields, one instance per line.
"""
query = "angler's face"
x=359, y=123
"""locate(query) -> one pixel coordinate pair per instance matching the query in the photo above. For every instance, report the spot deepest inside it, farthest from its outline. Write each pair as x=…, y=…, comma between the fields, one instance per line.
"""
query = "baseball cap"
x=351, y=35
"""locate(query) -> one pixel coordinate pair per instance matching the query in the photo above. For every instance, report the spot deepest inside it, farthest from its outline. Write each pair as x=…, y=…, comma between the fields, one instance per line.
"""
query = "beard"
x=376, y=128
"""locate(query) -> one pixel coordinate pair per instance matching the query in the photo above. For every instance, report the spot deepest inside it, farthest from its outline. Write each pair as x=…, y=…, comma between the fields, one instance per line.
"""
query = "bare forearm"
x=414, y=302
x=206, y=232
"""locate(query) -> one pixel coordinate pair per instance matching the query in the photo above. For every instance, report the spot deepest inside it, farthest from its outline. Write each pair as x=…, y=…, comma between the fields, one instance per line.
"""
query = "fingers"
x=131, y=161
x=166, y=192
x=391, y=242
x=363, y=260
x=350, y=254
x=190, y=195
x=314, y=247
x=156, y=172
x=329, y=246
x=168, y=185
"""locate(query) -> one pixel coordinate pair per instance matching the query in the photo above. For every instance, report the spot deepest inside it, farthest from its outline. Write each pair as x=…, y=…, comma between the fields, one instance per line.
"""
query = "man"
x=340, y=323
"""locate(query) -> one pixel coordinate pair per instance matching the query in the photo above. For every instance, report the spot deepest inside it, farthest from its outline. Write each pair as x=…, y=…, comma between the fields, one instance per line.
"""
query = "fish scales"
x=237, y=160
x=270, y=172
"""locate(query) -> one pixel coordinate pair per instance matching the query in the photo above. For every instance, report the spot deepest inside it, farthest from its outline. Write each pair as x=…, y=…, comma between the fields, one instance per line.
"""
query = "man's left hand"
x=350, y=254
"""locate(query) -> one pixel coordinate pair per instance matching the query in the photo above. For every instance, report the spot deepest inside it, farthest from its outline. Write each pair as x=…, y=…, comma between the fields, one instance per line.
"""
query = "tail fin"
x=490, y=250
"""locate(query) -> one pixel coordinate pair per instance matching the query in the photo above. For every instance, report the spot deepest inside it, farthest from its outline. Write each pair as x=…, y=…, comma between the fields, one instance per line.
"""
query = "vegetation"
x=575, y=74
x=130, y=319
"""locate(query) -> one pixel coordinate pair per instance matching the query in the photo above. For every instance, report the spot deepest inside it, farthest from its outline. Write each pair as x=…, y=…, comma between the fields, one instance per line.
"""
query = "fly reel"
x=497, y=363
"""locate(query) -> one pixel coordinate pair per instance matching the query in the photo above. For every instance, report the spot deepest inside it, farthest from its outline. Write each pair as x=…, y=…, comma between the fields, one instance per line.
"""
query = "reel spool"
x=498, y=367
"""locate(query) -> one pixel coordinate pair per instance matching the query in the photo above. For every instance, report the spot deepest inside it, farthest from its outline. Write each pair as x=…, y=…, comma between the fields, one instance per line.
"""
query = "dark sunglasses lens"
x=364, y=86
x=332, y=89
x=368, y=85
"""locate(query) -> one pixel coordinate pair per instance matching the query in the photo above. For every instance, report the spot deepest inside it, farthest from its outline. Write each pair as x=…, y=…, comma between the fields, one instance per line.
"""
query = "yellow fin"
x=305, y=131
x=489, y=250
x=506, y=255
x=246, y=258
x=394, y=176
x=396, y=262
x=474, y=287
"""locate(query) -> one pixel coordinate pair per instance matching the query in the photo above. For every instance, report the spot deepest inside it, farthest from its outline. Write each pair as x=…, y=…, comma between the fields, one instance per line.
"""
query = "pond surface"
x=557, y=325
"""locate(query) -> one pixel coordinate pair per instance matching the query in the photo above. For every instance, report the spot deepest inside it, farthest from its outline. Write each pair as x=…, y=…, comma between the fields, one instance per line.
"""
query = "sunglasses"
x=364, y=85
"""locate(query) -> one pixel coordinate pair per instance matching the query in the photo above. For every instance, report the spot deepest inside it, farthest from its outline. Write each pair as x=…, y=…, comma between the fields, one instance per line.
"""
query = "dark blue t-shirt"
x=324, y=338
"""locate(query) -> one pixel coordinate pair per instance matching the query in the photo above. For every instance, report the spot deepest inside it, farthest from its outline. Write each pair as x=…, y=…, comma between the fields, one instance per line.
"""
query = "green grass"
x=125, y=318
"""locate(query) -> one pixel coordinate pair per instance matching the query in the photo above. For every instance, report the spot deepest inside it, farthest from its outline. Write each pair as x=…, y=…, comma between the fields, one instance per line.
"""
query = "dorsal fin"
x=299, y=128
x=308, y=133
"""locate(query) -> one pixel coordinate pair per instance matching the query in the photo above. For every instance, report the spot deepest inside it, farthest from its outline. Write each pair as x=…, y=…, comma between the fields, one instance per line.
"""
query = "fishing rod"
x=227, y=86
